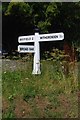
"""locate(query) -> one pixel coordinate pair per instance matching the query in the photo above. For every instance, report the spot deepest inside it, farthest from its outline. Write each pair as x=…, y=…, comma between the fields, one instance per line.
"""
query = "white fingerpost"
x=37, y=38
x=36, y=64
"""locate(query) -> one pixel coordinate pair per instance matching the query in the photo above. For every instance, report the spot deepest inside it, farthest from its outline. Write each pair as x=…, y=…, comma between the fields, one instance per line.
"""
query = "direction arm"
x=51, y=37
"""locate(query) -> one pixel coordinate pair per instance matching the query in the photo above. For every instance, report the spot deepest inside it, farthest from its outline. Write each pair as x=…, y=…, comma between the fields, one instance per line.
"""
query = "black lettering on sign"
x=31, y=49
x=40, y=37
x=23, y=49
x=29, y=38
x=49, y=37
x=55, y=36
x=25, y=38
x=20, y=39
x=32, y=38
x=26, y=49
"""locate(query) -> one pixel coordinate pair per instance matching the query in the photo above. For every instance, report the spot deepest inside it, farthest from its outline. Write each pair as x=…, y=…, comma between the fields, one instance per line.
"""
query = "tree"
x=20, y=18
x=16, y=22
x=68, y=20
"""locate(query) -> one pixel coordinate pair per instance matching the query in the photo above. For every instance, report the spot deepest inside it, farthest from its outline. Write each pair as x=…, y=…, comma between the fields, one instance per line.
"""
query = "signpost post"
x=36, y=48
x=36, y=65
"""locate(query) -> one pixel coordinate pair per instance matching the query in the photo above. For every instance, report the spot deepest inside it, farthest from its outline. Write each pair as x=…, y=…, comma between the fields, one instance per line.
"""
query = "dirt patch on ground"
x=5, y=105
x=41, y=104
x=69, y=106
x=64, y=101
x=37, y=106
x=78, y=95
x=64, y=105
x=22, y=108
x=78, y=104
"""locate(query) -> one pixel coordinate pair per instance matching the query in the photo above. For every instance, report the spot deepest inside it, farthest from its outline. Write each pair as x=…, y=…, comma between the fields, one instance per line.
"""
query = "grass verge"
x=49, y=95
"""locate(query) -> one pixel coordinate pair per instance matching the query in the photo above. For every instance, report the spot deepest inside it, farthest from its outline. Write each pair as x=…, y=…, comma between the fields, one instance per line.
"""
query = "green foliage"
x=9, y=113
x=56, y=55
x=51, y=11
x=43, y=26
x=18, y=9
x=4, y=7
x=30, y=93
x=48, y=17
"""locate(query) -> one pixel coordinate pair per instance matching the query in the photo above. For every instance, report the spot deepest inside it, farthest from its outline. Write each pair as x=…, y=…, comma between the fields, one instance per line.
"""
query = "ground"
x=49, y=95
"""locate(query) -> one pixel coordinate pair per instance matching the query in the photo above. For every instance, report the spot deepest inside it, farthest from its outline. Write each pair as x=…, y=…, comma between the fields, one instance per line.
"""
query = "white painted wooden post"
x=36, y=64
